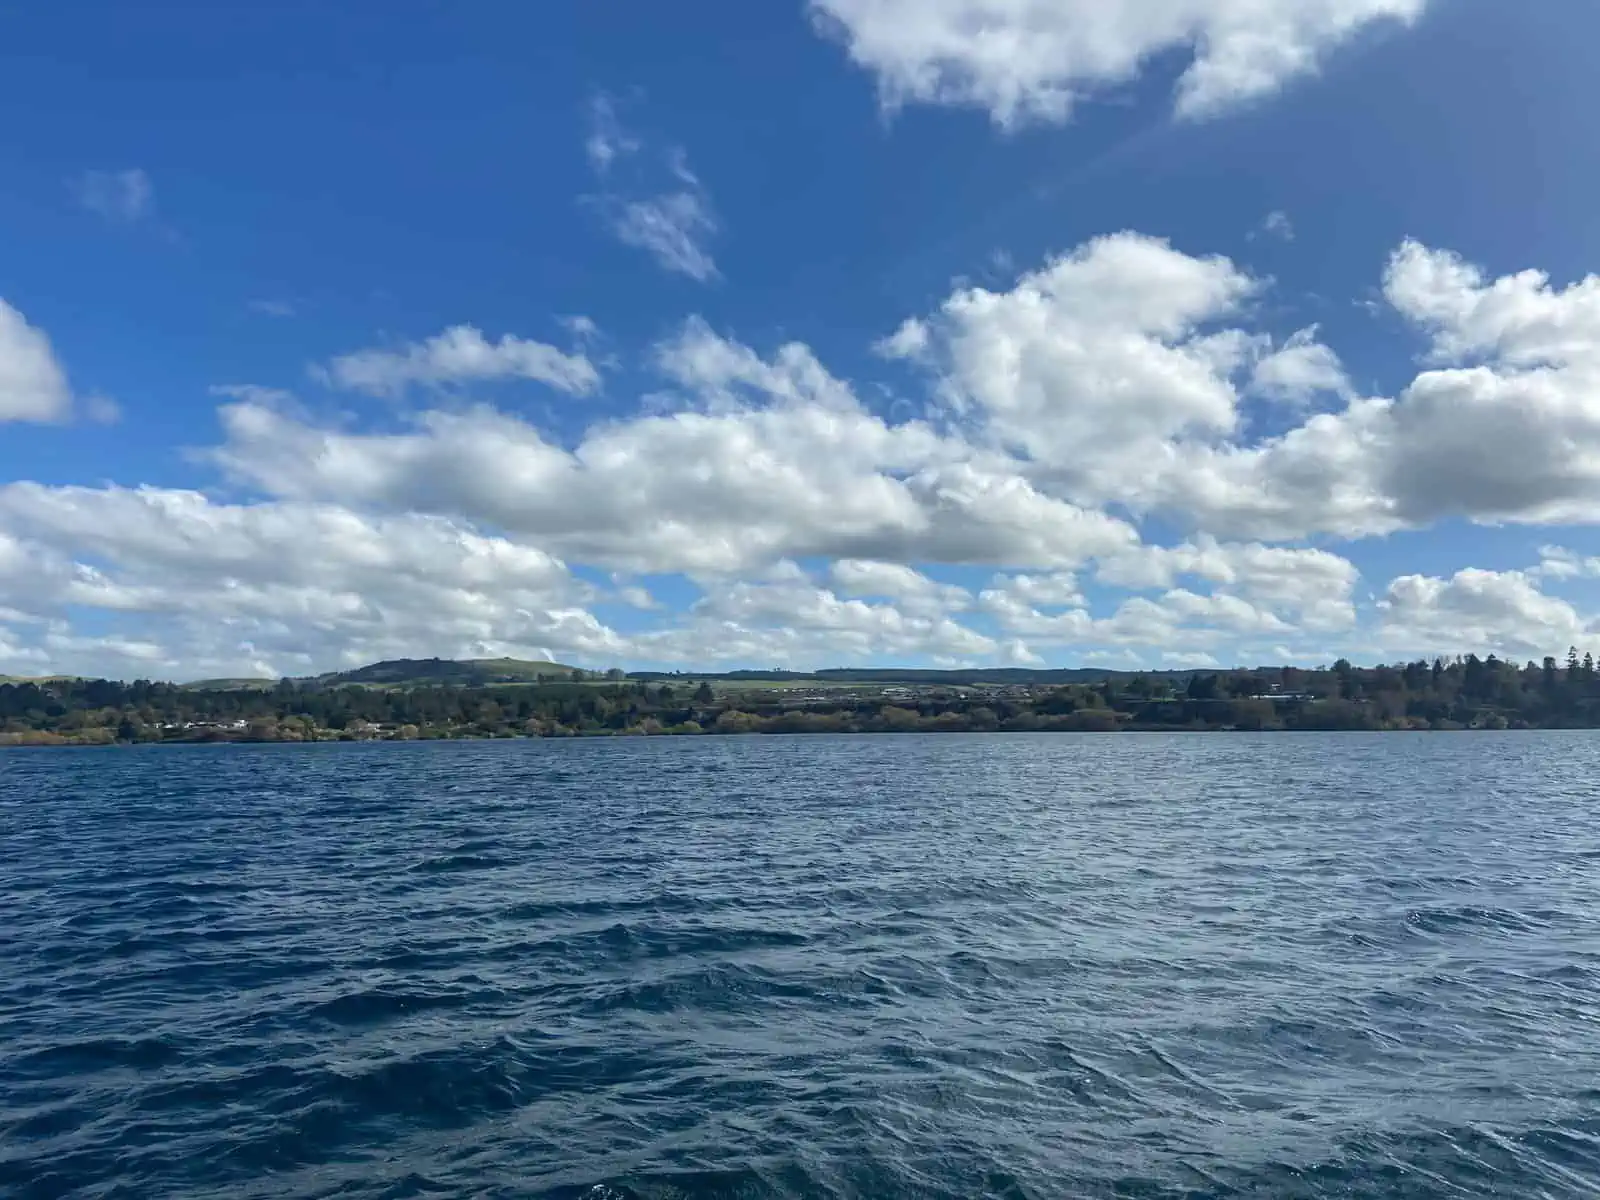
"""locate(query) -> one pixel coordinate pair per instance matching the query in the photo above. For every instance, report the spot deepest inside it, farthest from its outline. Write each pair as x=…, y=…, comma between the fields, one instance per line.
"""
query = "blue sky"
x=1025, y=331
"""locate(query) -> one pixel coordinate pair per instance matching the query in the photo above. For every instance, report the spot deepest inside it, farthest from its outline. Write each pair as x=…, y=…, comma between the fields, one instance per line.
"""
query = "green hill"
x=252, y=684
x=445, y=672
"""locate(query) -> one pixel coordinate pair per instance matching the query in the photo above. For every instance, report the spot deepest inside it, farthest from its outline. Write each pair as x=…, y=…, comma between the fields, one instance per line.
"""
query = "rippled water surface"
x=1011, y=966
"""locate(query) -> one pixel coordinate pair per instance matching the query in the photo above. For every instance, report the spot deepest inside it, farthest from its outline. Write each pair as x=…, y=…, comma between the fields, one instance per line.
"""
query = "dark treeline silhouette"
x=1462, y=693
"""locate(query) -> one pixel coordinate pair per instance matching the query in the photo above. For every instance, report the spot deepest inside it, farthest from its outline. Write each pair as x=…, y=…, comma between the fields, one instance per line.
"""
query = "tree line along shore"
x=1461, y=693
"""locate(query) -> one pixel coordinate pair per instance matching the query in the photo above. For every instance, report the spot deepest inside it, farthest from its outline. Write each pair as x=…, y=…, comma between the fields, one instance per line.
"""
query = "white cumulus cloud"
x=1300, y=369
x=1035, y=60
x=1501, y=612
x=459, y=355
x=290, y=586
x=786, y=464
x=1503, y=425
x=791, y=621
x=1116, y=383
x=33, y=384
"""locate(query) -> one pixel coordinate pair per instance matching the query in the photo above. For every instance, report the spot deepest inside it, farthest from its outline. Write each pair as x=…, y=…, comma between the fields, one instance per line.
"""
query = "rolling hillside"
x=251, y=684
x=445, y=672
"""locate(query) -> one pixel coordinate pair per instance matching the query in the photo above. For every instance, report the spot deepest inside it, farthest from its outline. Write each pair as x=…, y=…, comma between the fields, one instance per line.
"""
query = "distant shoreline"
x=424, y=700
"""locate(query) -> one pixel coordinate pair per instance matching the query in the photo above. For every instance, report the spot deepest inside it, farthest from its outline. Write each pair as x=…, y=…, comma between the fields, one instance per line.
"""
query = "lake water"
x=1016, y=966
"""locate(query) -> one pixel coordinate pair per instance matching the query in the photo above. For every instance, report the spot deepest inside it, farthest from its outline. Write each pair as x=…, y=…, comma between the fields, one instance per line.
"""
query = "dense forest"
x=1463, y=693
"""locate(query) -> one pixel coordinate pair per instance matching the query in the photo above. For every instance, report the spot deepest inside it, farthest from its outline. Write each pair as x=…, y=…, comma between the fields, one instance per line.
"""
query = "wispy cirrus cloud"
x=671, y=228
x=663, y=208
x=124, y=197
x=1276, y=225
x=272, y=308
x=608, y=140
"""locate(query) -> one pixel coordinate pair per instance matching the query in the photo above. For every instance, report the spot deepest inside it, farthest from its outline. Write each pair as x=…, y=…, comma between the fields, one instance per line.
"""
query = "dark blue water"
x=1008, y=966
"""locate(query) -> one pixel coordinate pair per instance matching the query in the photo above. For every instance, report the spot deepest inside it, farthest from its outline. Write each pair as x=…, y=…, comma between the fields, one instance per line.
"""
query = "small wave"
x=665, y=904
x=97, y=1054
x=719, y=988
x=623, y=941
x=373, y=1006
x=1467, y=917
x=1422, y=883
x=445, y=1089
x=732, y=1183
x=445, y=863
